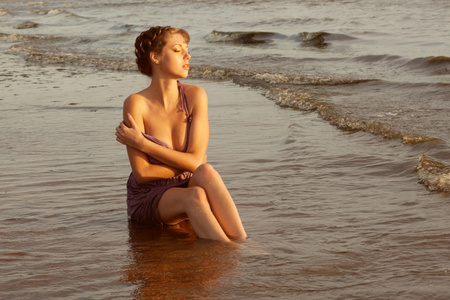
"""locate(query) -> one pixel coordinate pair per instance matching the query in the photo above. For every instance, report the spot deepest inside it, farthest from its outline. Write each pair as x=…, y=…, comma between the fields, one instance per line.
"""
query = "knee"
x=207, y=173
x=195, y=198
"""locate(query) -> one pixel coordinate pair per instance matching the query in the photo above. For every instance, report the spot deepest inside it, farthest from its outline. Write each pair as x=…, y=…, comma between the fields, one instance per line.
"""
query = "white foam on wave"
x=54, y=12
x=36, y=4
x=434, y=174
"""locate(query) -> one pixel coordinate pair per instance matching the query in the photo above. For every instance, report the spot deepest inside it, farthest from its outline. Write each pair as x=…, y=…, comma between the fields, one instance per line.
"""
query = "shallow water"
x=327, y=211
x=341, y=185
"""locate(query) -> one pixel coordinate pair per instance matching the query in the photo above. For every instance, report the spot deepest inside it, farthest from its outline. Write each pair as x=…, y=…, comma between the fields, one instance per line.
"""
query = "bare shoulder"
x=136, y=105
x=135, y=102
x=134, y=99
x=195, y=95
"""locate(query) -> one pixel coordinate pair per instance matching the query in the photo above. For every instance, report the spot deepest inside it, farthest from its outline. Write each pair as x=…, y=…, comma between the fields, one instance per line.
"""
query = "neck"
x=165, y=91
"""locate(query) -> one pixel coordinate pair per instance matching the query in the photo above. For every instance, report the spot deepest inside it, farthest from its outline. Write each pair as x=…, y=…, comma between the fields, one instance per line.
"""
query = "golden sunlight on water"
x=330, y=214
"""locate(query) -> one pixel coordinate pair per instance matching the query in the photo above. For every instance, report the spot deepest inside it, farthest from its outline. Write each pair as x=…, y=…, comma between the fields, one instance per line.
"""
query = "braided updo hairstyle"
x=153, y=40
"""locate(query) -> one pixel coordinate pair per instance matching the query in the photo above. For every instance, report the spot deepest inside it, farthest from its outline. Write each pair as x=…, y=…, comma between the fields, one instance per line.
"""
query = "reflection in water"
x=171, y=263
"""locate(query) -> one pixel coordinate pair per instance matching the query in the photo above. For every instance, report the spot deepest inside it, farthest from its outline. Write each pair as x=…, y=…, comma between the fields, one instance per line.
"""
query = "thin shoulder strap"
x=186, y=111
x=184, y=102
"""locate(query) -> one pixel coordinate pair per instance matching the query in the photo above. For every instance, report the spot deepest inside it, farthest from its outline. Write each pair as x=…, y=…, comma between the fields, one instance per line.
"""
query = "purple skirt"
x=143, y=199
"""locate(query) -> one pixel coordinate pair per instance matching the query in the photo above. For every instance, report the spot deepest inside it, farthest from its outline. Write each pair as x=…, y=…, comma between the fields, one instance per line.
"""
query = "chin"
x=184, y=75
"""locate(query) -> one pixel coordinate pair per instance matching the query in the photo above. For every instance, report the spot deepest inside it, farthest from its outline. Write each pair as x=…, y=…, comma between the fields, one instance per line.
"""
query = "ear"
x=154, y=57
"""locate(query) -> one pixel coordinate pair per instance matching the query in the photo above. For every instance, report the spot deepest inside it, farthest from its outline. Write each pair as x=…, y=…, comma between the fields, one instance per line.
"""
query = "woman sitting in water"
x=166, y=132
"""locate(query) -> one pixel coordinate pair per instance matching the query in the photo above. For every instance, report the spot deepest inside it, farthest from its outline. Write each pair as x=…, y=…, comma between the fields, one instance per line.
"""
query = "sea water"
x=329, y=125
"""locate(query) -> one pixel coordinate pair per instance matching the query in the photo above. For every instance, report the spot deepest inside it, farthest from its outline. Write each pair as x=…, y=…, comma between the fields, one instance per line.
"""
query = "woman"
x=166, y=132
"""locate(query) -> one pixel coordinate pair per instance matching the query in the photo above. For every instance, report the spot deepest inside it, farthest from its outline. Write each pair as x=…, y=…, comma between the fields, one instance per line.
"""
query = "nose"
x=187, y=55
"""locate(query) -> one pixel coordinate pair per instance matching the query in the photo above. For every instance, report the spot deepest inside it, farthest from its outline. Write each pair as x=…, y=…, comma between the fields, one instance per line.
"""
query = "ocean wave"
x=338, y=118
x=123, y=27
x=14, y=37
x=379, y=58
x=266, y=79
x=56, y=57
x=433, y=174
x=45, y=11
x=314, y=39
x=36, y=4
x=287, y=91
x=308, y=79
x=439, y=59
x=53, y=12
x=321, y=39
x=239, y=37
x=34, y=42
x=281, y=89
x=26, y=25
x=437, y=65
x=4, y=12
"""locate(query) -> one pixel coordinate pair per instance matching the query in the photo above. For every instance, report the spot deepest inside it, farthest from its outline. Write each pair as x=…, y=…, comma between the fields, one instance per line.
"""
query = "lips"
x=186, y=66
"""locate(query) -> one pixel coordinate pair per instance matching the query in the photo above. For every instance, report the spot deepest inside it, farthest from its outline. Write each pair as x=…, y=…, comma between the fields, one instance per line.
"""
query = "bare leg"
x=177, y=204
x=220, y=200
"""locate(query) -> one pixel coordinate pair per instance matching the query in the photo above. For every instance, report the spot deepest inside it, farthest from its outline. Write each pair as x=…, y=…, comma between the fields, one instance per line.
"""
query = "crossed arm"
x=174, y=162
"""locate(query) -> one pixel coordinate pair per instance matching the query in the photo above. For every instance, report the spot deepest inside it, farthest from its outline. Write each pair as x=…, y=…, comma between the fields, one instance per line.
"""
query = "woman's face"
x=173, y=61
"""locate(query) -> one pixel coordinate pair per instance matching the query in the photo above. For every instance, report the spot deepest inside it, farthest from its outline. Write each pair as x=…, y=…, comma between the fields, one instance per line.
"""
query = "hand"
x=129, y=136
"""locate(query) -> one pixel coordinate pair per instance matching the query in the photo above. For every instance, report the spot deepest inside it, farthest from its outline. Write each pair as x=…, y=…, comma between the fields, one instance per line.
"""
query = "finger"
x=133, y=123
x=119, y=138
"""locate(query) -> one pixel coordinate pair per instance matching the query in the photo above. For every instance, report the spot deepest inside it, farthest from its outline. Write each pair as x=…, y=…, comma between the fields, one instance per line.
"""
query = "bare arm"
x=174, y=160
x=142, y=169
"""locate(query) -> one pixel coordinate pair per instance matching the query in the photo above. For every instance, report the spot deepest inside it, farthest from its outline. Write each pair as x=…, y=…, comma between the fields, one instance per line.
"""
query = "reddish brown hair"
x=153, y=40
